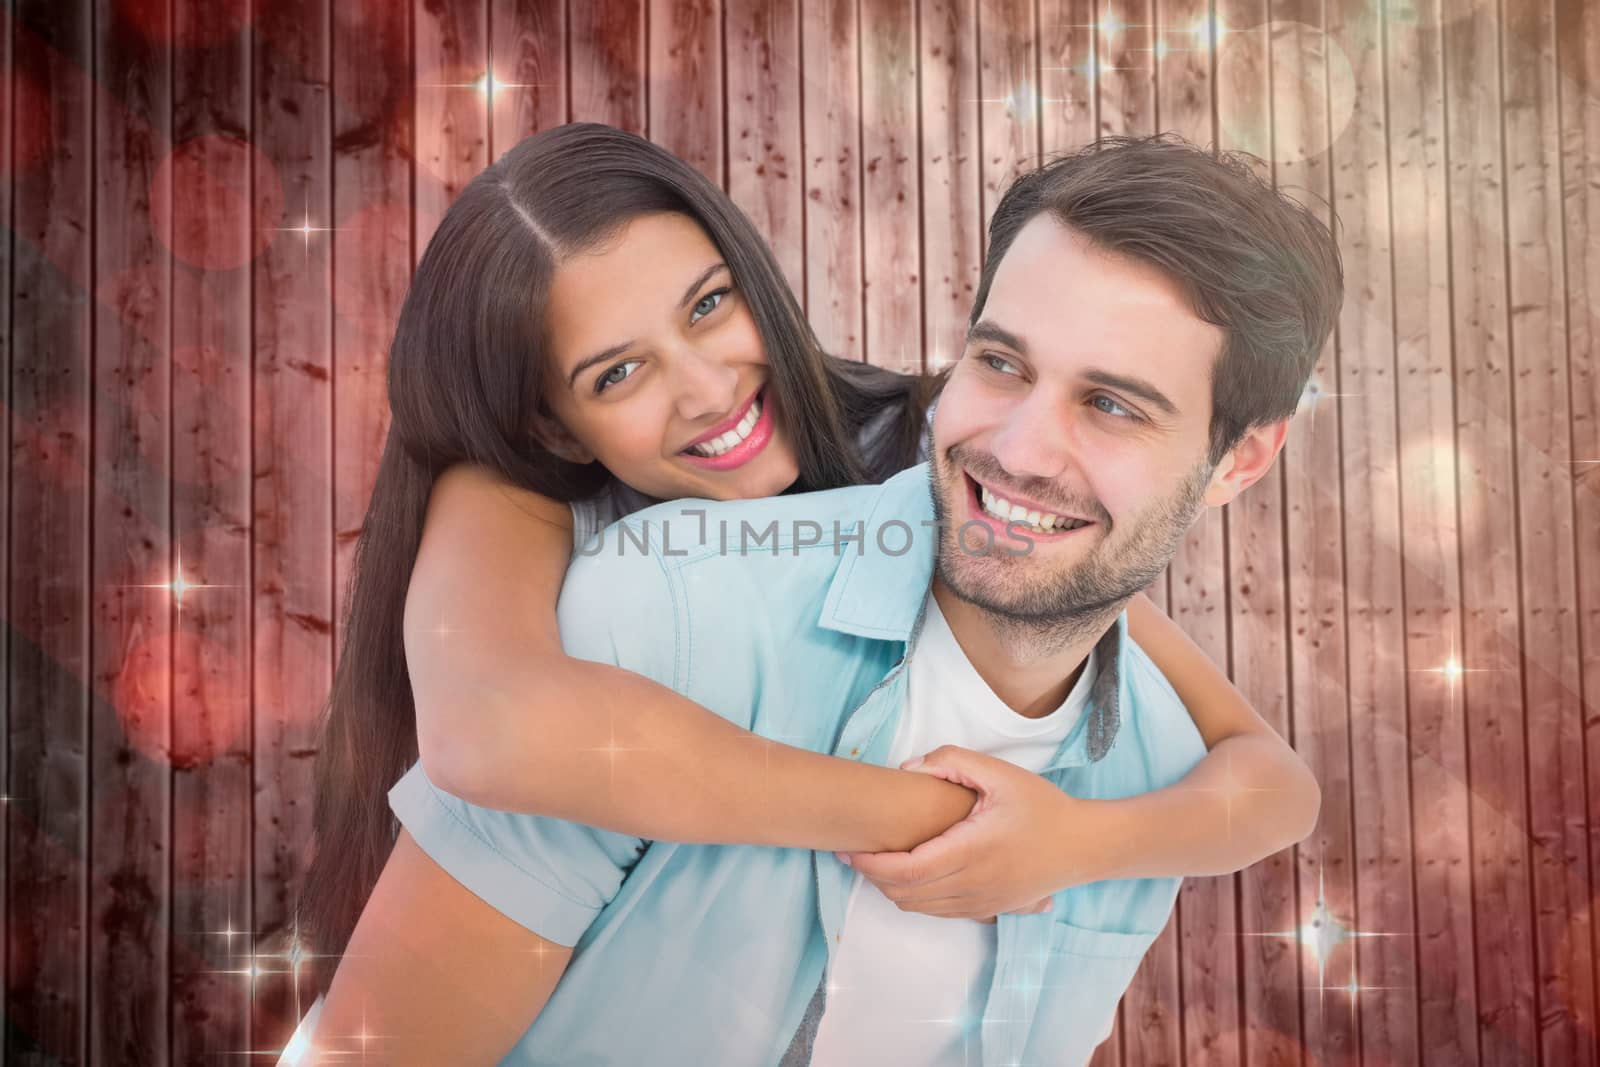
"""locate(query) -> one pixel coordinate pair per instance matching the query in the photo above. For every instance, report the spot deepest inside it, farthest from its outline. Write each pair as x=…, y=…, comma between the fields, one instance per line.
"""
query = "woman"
x=595, y=326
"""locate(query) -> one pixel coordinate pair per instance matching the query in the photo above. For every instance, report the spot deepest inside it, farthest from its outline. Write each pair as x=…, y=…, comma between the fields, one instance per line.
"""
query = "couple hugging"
x=742, y=704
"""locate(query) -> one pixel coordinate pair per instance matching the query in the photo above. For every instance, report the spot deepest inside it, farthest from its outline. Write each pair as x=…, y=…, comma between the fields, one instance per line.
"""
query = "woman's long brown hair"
x=465, y=378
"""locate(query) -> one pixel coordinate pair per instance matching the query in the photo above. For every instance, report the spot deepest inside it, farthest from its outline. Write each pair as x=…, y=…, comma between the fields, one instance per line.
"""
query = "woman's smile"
x=736, y=440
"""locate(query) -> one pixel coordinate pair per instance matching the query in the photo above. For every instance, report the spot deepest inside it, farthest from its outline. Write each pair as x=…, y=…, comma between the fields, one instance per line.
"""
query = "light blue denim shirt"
x=711, y=954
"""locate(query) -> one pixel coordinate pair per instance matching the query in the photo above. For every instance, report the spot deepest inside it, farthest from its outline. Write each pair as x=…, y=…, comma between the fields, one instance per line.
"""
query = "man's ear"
x=554, y=438
x=1246, y=462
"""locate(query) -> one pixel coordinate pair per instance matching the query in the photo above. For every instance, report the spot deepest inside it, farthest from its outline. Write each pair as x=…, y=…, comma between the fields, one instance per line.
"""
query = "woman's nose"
x=706, y=386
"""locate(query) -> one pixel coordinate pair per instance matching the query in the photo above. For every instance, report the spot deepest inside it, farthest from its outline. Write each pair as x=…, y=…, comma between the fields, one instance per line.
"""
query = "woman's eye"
x=706, y=305
x=1111, y=407
x=613, y=376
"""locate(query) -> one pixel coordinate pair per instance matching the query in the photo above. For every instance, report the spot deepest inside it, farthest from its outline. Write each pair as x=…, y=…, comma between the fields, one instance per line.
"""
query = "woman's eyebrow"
x=694, y=286
x=598, y=357
x=617, y=350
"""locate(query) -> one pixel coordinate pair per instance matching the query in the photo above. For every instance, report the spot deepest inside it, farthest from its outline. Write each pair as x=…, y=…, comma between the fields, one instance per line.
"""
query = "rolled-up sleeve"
x=549, y=875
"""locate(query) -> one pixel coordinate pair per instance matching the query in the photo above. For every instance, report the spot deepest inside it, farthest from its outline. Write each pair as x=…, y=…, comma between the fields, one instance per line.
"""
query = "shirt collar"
x=878, y=588
x=881, y=582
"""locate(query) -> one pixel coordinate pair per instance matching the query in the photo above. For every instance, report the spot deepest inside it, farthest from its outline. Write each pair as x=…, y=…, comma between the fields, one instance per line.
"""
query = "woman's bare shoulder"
x=474, y=493
x=492, y=558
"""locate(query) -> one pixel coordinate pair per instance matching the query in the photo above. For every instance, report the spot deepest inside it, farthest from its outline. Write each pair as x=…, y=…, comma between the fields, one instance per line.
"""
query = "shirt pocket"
x=1067, y=939
x=1088, y=973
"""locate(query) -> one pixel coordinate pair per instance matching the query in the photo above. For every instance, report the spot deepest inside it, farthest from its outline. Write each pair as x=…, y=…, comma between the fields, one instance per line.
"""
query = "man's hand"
x=1005, y=856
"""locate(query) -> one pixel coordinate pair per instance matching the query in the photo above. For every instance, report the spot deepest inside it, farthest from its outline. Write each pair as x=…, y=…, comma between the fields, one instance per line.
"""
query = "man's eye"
x=999, y=363
x=613, y=377
x=706, y=305
x=1111, y=407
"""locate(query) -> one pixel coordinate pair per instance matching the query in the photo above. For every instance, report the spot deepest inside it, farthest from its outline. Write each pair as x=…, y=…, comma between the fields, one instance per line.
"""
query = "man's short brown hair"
x=1255, y=263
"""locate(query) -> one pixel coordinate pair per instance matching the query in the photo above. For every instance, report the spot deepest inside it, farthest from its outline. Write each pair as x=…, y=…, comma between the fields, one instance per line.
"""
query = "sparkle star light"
x=1452, y=669
x=1019, y=102
x=1228, y=791
x=966, y=1023
x=485, y=85
x=178, y=585
x=1209, y=30
x=227, y=933
x=1323, y=933
x=611, y=750
x=1313, y=395
x=306, y=229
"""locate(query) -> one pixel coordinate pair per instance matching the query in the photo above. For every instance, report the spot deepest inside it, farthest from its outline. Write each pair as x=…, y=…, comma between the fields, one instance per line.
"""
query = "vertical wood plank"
x=451, y=63
x=132, y=635
x=685, y=85
x=1185, y=69
x=1310, y=90
x=1212, y=950
x=831, y=106
x=952, y=220
x=1548, y=570
x=1486, y=499
x=372, y=255
x=891, y=197
x=527, y=43
x=1008, y=91
x=1446, y=994
x=1206, y=923
x=1126, y=67
x=1152, y=1010
x=1380, y=800
x=764, y=103
x=1070, y=52
x=606, y=46
x=210, y=389
x=291, y=449
x=49, y=535
x=1578, y=53
x=9, y=161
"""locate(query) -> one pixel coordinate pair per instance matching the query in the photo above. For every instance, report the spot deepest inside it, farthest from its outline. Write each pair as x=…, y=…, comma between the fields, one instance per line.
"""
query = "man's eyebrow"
x=984, y=330
x=617, y=350
x=1136, y=386
x=694, y=287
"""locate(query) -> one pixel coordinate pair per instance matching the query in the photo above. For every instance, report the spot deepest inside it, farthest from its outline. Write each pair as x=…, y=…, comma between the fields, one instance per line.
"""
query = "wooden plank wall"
x=213, y=208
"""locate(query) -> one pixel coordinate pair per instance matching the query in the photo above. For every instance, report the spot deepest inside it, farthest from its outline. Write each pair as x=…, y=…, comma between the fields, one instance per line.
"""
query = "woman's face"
x=657, y=370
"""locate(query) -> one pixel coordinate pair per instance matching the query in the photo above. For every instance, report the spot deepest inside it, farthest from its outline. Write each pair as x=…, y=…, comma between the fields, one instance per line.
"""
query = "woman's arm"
x=506, y=720
x=1250, y=796
x=432, y=974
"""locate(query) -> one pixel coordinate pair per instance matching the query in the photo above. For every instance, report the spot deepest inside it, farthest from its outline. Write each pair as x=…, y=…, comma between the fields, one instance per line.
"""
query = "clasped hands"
x=1012, y=853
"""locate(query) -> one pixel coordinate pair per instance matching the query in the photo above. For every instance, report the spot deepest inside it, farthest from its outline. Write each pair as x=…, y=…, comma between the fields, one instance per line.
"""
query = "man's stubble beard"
x=1045, y=611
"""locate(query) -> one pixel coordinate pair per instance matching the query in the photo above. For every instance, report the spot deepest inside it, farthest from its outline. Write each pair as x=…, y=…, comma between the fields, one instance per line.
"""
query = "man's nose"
x=1036, y=440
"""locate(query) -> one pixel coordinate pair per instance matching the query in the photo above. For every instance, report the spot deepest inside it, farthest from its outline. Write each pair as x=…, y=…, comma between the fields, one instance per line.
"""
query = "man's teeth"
x=718, y=445
x=1039, y=522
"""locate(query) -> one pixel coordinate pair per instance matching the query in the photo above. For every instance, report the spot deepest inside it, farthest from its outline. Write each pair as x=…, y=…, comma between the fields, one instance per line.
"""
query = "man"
x=1145, y=323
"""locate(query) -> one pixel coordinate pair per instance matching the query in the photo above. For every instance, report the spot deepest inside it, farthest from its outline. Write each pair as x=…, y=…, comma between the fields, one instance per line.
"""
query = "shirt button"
x=855, y=752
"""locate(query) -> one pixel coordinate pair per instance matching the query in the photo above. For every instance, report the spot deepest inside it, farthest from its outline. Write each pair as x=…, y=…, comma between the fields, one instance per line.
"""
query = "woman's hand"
x=1005, y=856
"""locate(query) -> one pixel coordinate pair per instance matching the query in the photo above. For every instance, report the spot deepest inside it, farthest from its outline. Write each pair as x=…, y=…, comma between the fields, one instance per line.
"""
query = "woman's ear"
x=554, y=438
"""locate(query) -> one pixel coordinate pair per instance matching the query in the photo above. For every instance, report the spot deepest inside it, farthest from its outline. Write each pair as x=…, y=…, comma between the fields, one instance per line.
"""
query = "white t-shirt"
x=910, y=988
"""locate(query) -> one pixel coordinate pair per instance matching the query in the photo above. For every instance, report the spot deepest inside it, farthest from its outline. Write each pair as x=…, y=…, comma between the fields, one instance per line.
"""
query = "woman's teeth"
x=718, y=445
x=1038, y=522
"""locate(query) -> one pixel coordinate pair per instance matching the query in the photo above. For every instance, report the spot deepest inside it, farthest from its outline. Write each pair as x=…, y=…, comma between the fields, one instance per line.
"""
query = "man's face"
x=1083, y=398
